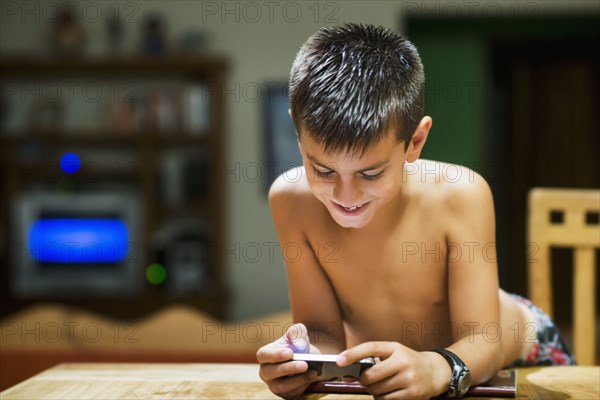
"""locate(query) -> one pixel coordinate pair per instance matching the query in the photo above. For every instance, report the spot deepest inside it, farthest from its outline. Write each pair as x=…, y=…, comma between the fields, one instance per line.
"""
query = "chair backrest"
x=566, y=218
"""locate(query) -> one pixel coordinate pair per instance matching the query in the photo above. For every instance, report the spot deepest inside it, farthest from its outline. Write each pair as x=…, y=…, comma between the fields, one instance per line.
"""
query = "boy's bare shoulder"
x=290, y=191
x=291, y=185
x=456, y=187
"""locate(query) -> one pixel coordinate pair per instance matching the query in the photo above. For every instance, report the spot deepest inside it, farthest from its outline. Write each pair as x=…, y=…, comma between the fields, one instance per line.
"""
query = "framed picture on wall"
x=281, y=152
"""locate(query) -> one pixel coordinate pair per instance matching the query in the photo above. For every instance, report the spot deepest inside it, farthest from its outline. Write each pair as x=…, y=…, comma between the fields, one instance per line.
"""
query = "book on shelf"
x=196, y=110
x=165, y=111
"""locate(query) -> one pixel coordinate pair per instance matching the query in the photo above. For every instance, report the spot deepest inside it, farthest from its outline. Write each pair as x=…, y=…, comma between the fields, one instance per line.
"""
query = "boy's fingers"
x=273, y=371
x=293, y=386
x=297, y=337
x=295, y=340
x=273, y=354
x=296, y=332
x=363, y=350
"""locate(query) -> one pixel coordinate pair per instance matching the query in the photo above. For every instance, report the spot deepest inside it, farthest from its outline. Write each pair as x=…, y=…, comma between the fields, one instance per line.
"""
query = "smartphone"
x=325, y=365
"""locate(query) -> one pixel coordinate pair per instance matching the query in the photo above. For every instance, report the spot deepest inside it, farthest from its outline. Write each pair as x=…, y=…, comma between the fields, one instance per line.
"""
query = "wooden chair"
x=566, y=218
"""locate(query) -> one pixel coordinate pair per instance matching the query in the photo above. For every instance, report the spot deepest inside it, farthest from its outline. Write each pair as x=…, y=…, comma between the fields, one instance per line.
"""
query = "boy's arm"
x=473, y=277
x=312, y=298
x=313, y=302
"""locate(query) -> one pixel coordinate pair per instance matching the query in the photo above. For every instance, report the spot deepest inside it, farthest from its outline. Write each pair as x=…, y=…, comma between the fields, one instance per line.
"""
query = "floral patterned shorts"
x=550, y=347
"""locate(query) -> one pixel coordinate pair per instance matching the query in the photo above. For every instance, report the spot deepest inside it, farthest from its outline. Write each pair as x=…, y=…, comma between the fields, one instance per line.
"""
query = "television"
x=82, y=244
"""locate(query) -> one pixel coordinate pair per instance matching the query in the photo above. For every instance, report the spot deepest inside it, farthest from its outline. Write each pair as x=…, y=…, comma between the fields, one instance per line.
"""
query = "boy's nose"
x=346, y=194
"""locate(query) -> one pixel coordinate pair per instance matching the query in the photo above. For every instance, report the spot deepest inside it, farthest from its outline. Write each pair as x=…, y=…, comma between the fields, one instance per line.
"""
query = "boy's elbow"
x=499, y=357
x=496, y=361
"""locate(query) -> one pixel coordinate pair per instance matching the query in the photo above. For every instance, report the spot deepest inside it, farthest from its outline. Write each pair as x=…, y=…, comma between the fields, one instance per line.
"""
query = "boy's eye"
x=372, y=177
x=322, y=172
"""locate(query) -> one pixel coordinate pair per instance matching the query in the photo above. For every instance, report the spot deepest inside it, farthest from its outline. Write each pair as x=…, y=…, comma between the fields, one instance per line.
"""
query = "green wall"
x=456, y=54
x=454, y=96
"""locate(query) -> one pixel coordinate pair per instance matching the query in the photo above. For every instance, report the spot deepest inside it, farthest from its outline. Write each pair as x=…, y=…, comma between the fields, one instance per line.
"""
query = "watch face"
x=464, y=382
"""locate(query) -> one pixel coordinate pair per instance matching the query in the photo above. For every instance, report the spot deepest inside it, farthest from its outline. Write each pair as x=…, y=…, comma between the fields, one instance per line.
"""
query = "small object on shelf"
x=67, y=36
x=195, y=110
x=162, y=111
x=123, y=116
x=154, y=40
x=114, y=34
x=184, y=176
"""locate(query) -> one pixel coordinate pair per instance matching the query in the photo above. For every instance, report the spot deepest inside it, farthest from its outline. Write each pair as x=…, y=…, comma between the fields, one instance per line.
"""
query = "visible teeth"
x=353, y=208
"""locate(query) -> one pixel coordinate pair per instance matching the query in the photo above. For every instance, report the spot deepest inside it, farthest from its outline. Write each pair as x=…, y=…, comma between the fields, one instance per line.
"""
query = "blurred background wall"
x=259, y=40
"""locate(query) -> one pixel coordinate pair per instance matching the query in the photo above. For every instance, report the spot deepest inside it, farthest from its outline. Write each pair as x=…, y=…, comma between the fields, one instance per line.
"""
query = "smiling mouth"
x=352, y=210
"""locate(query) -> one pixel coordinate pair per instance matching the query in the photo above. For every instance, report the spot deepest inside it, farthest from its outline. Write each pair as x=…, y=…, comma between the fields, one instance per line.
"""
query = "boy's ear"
x=418, y=139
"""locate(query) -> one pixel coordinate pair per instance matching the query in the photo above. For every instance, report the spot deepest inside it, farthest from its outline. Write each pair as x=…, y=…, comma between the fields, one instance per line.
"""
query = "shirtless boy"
x=388, y=261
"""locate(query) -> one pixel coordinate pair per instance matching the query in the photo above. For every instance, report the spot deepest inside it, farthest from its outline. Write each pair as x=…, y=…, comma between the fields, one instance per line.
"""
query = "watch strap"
x=457, y=373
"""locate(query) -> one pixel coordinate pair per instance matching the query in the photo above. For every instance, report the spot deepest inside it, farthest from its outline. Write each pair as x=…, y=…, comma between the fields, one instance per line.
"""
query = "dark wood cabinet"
x=158, y=120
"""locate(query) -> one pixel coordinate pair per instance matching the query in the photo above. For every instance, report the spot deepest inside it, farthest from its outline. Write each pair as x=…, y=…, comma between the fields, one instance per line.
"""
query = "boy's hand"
x=286, y=378
x=402, y=373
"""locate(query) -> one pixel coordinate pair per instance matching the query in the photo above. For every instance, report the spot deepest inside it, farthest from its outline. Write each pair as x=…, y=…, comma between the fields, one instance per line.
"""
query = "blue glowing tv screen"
x=78, y=240
x=77, y=244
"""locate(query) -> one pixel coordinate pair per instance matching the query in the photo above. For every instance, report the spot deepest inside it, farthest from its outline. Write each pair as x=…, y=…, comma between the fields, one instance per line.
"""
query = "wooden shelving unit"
x=147, y=146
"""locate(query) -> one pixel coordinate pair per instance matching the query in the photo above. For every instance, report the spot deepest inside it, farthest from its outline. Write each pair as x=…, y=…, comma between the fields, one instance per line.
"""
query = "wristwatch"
x=461, y=375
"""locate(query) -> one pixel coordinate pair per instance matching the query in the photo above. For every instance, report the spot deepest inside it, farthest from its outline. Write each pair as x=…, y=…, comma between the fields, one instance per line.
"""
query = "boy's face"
x=351, y=186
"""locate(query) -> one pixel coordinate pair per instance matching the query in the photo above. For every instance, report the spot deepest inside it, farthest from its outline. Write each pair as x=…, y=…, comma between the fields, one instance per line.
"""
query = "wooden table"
x=241, y=381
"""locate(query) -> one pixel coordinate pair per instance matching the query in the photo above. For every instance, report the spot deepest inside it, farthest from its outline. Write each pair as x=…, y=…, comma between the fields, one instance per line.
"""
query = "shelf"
x=185, y=66
x=42, y=173
x=55, y=138
x=49, y=139
x=184, y=140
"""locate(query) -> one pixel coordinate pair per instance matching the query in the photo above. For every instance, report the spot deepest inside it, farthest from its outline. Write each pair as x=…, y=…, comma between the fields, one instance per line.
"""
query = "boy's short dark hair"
x=351, y=84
